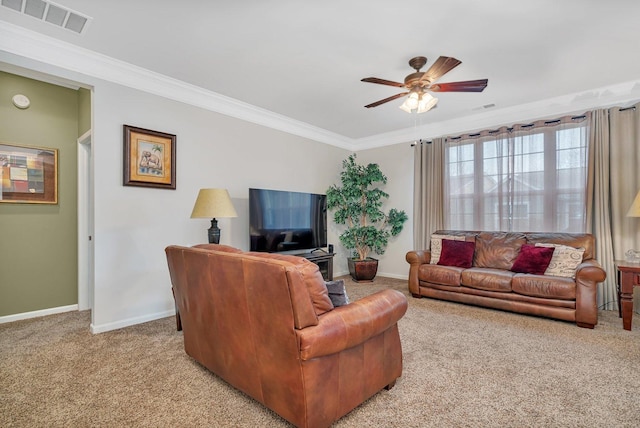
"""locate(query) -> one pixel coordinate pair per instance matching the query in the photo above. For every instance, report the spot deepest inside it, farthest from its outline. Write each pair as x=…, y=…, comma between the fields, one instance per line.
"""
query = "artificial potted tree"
x=358, y=205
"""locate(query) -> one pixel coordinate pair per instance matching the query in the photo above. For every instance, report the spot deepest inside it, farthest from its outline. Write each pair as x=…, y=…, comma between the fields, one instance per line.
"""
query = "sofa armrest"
x=588, y=274
x=590, y=271
x=416, y=259
x=352, y=324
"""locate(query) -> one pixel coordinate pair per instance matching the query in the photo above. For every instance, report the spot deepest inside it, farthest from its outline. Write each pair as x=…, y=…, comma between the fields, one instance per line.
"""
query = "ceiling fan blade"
x=466, y=86
x=382, y=81
x=386, y=100
x=442, y=66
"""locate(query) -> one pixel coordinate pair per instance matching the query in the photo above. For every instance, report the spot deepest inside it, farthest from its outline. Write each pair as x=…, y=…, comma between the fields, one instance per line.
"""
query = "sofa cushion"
x=565, y=260
x=497, y=250
x=487, y=279
x=551, y=287
x=456, y=253
x=436, y=245
x=443, y=275
x=532, y=259
x=337, y=292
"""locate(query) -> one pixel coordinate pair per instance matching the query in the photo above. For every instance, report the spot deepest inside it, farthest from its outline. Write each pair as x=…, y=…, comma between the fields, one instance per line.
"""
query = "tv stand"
x=324, y=261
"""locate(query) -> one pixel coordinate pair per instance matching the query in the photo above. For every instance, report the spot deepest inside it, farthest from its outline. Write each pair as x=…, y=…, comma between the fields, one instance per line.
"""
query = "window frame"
x=506, y=194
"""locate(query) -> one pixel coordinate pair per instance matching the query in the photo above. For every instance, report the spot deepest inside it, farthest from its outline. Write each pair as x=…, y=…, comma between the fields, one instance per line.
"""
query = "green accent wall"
x=38, y=242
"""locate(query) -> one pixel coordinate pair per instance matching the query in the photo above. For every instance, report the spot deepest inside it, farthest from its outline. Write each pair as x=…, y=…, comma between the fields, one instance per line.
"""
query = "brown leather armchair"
x=264, y=323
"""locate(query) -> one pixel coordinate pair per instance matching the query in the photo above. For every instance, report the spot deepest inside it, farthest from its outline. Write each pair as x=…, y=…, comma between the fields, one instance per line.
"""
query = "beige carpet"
x=463, y=367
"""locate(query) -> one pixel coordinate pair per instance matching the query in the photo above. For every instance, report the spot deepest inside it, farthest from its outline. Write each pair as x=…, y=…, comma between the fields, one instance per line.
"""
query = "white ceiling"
x=304, y=60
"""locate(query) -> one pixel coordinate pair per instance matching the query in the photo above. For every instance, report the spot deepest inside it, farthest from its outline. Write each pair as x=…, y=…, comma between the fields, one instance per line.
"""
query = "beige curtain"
x=624, y=125
x=598, y=212
x=427, y=191
x=614, y=180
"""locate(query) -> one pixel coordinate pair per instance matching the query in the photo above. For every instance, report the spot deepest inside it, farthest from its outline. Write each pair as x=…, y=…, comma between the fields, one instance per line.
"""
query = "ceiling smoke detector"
x=50, y=12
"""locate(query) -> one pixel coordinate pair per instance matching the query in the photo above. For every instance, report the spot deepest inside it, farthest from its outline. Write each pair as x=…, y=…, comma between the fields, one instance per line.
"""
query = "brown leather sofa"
x=490, y=283
x=264, y=323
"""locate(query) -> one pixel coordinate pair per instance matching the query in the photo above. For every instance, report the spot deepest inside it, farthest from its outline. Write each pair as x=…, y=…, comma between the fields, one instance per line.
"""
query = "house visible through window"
x=527, y=178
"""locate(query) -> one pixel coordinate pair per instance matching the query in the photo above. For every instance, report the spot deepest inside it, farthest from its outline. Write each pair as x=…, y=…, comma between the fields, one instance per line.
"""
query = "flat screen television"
x=287, y=222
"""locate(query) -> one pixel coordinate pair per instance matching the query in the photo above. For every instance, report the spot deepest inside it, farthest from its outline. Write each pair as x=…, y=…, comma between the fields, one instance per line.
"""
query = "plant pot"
x=363, y=270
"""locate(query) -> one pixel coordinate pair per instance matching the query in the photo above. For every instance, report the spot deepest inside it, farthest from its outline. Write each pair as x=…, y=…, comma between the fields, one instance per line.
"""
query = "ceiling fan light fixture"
x=411, y=103
x=413, y=100
x=419, y=103
x=404, y=107
x=426, y=103
x=418, y=82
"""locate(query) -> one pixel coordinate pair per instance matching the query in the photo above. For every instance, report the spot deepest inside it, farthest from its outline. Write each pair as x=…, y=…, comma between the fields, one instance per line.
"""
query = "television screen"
x=282, y=221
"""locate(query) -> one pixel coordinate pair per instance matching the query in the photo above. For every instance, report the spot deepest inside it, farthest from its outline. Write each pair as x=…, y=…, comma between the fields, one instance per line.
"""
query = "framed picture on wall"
x=149, y=158
x=29, y=175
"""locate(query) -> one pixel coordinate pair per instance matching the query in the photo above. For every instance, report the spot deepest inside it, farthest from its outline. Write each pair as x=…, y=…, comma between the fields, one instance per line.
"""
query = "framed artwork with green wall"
x=28, y=175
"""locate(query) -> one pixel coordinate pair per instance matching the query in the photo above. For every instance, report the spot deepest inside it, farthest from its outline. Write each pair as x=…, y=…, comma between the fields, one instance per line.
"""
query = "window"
x=528, y=179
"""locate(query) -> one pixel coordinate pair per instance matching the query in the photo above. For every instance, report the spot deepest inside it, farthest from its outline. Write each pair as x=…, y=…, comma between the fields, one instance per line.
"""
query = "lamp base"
x=214, y=232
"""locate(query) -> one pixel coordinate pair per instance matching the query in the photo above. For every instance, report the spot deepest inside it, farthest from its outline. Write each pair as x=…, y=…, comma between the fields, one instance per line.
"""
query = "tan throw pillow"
x=436, y=245
x=565, y=260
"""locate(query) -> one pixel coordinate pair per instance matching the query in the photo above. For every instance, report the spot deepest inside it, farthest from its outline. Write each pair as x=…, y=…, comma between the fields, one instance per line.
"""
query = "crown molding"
x=620, y=95
x=29, y=44
x=35, y=46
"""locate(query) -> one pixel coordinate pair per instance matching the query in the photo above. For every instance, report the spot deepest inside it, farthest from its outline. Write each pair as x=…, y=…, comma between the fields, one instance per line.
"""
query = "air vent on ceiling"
x=484, y=107
x=50, y=12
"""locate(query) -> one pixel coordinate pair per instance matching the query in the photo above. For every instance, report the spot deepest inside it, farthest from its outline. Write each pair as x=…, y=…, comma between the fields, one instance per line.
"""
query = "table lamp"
x=634, y=211
x=213, y=203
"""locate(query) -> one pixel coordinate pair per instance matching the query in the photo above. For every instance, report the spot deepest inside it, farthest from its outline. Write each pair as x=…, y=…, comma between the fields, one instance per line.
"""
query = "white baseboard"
x=40, y=313
x=386, y=275
x=393, y=275
x=101, y=328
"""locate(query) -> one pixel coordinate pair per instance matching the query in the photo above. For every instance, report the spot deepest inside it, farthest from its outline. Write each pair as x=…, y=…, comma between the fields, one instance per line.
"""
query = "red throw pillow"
x=457, y=253
x=533, y=259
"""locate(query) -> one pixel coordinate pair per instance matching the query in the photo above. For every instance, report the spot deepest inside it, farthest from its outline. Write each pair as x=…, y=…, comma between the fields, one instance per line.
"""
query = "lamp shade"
x=427, y=102
x=634, y=211
x=411, y=102
x=404, y=106
x=420, y=102
x=213, y=203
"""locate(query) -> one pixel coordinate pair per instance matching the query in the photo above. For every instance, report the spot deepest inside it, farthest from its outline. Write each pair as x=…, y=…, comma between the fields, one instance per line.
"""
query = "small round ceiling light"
x=21, y=101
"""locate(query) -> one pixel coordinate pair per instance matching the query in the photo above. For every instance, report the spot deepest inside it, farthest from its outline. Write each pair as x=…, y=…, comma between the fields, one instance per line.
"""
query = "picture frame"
x=28, y=174
x=149, y=158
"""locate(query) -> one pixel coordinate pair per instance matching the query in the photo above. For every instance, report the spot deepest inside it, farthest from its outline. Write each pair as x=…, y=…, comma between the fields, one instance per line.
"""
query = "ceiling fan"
x=420, y=83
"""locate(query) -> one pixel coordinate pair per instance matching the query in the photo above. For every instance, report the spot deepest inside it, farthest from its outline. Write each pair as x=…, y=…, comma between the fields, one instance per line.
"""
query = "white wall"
x=396, y=162
x=133, y=225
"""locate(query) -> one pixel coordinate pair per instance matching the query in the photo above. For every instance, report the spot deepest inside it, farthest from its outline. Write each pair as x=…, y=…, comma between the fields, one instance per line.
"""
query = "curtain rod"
x=510, y=129
x=548, y=122
x=415, y=143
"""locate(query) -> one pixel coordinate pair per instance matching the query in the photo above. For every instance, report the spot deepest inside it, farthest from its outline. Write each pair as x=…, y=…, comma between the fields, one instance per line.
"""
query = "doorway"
x=85, y=224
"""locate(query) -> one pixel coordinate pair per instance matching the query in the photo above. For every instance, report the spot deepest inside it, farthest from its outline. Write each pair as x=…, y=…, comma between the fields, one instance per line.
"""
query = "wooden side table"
x=628, y=277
